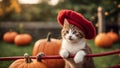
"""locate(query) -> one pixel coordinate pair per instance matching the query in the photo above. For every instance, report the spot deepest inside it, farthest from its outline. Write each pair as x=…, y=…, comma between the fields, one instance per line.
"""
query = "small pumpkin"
x=103, y=40
x=27, y=63
x=49, y=46
x=113, y=35
x=23, y=39
x=9, y=36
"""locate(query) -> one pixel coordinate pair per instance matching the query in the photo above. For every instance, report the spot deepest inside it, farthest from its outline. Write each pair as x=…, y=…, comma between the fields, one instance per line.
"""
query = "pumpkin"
x=23, y=39
x=27, y=63
x=49, y=46
x=9, y=36
x=113, y=35
x=103, y=40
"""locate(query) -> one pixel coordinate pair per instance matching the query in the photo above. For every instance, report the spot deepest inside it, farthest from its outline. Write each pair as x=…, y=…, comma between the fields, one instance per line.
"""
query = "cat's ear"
x=66, y=22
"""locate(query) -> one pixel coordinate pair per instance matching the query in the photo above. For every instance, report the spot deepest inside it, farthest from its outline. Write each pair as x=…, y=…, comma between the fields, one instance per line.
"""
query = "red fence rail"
x=58, y=57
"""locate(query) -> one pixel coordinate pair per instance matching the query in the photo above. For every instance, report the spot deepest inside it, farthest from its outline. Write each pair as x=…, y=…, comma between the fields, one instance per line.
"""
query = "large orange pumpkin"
x=49, y=47
x=27, y=63
x=113, y=35
x=10, y=36
x=103, y=40
x=23, y=39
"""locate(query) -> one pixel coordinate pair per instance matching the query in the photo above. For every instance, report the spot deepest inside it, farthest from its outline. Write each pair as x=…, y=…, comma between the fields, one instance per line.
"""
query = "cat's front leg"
x=79, y=57
x=64, y=53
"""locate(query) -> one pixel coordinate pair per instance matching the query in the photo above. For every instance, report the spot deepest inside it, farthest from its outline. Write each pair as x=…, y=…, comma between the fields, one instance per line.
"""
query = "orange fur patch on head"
x=75, y=30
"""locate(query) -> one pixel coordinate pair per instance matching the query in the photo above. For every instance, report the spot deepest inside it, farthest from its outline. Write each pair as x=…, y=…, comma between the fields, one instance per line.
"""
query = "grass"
x=105, y=61
x=7, y=49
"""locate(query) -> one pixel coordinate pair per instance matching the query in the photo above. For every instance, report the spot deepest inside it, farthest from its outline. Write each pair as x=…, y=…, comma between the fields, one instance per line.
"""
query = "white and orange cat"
x=74, y=42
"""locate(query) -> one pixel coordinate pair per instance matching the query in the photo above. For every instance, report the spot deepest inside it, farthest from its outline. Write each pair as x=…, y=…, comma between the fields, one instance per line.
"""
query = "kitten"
x=73, y=42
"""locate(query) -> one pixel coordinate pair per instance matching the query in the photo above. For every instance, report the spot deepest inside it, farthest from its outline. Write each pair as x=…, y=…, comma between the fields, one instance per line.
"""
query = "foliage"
x=9, y=8
x=44, y=12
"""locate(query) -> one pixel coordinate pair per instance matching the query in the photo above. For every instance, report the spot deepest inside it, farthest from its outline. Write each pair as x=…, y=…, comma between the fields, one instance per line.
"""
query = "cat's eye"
x=67, y=31
x=74, y=32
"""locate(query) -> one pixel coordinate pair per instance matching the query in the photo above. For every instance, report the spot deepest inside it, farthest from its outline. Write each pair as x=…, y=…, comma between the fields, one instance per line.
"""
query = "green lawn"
x=100, y=62
x=7, y=49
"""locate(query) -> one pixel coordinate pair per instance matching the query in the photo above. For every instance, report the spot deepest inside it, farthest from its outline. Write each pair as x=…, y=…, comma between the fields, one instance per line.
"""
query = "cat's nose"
x=70, y=37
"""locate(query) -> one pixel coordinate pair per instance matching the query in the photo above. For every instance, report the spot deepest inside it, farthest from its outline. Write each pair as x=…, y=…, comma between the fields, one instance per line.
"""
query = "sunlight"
x=53, y=2
x=29, y=1
x=50, y=2
x=0, y=0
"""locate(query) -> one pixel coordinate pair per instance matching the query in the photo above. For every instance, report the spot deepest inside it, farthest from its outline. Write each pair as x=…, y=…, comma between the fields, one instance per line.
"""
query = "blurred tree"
x=14, y=6
x=45, y=12
x=1, y=10
x=9, y=8
x=89, y=8
x=11, y=5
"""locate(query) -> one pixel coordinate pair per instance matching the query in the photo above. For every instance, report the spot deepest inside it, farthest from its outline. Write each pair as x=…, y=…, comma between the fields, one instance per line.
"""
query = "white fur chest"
x=73, y=48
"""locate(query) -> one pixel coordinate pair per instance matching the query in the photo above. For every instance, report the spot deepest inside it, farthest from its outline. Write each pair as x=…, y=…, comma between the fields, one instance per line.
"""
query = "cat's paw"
x=64, y=53
x=79, y=57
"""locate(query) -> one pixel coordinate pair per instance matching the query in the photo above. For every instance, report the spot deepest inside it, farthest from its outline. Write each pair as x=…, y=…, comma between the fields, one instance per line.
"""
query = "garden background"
x=38, y=17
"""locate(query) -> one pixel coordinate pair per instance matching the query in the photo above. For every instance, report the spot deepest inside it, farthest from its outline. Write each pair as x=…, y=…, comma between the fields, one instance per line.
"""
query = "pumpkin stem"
x=49, y=37
x=27, y=58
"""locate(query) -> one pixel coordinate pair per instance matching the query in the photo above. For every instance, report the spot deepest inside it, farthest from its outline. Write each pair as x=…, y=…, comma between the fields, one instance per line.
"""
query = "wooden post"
x=119, y=25
x=101, y=20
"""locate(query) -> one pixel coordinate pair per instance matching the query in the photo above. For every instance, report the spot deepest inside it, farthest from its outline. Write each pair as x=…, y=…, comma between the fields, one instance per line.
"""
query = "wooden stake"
x=101, y=20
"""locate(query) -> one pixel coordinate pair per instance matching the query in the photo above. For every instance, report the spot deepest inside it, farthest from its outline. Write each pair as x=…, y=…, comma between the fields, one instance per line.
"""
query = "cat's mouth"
x=70, y=38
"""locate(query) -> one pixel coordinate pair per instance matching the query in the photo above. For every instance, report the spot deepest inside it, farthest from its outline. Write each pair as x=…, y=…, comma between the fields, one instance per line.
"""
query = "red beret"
x=79, y=21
